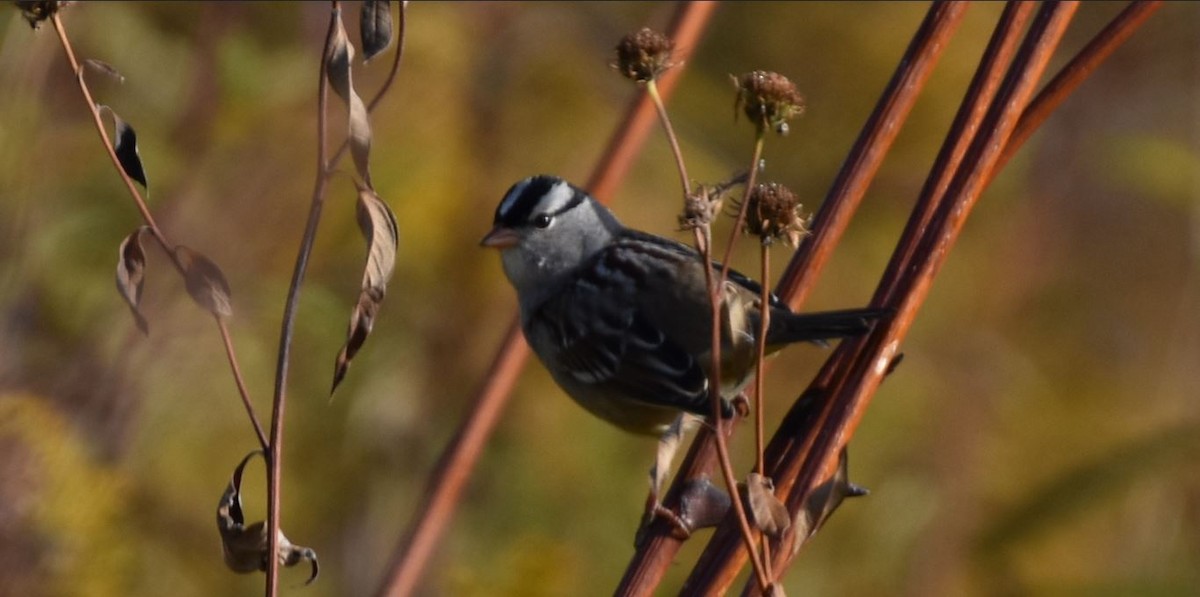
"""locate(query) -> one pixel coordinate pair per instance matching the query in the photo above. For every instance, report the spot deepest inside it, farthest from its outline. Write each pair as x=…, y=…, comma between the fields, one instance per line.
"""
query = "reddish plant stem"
x=867, y=155
x=279, y=401
x=1076, y=72
x=718, y=565
x=852, y=395
x=448, y=479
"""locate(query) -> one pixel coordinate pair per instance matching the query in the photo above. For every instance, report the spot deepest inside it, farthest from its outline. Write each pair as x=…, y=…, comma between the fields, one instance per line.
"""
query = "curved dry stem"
x=279, y=400
x=661, y=108
x=704, y=242
x=241, y=383
x=159, y=237
x=752, y=179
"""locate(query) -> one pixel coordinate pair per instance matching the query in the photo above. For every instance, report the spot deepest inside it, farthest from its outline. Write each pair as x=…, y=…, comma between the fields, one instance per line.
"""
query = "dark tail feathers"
x=786, y=328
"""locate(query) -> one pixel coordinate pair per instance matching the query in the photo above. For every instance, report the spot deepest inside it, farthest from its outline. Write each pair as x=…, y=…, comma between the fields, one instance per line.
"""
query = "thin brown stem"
x=108, y=145
x=756, y=156
x=703, y=238
x=759, y=373
x=764, y=301
x=652, y=91
x=159, y=237
x=279, y=400
x=703, y=242
x=241, y=383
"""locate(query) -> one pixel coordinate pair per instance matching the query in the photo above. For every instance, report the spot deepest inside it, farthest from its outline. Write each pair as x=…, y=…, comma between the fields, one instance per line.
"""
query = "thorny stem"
x=148, y=218
x=703, y=237
x=279, y=401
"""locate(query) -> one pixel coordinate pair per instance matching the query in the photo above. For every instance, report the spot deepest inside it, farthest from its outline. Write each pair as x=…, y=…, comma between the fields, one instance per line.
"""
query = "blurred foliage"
x=1039, y=437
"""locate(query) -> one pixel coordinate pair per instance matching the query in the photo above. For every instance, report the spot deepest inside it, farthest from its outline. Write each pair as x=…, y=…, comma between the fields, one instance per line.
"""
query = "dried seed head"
x=774, y=214
x=700, y=208
x=36, y=12
x=644, y=55
x=768, y=99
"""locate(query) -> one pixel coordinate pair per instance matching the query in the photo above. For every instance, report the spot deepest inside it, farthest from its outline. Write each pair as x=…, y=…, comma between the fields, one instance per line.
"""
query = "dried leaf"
x=766, y=511
x=375, y=26
x=105, y=68
x=131, y=271
x=378, y=226
x=338, y=61
x=205, y=282
x=824, y=500
x=125, y=146
x=245, y=547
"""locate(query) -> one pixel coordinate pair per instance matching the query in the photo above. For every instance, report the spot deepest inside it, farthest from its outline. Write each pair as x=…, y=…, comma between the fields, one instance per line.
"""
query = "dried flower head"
x=644, y=55
x=774, y=214
x=700, y=208
x=36, y=12
x=768, y=99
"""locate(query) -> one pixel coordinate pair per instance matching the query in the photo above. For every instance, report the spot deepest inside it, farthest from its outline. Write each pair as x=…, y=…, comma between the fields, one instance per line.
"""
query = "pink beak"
x=500, y=238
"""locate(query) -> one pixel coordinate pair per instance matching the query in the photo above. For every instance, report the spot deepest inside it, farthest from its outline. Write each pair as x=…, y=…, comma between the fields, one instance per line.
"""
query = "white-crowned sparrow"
x=621, y=318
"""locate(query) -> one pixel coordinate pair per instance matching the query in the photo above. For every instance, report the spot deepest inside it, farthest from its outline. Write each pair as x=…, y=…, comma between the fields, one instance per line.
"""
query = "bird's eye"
x=542, y=220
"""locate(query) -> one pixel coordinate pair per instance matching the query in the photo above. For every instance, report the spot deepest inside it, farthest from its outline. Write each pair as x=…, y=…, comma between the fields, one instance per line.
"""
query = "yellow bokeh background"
x=1040, y=436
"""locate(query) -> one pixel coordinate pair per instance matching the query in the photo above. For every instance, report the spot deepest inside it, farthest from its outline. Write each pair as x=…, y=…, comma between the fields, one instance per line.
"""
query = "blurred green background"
x=1041, y=436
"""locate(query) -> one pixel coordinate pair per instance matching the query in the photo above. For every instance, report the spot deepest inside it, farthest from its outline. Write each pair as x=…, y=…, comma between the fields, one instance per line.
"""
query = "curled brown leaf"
x=245, y=547
x=338, y=61
x=205, y=282
x=131, y=271
x=766, y=511
x=378, y=225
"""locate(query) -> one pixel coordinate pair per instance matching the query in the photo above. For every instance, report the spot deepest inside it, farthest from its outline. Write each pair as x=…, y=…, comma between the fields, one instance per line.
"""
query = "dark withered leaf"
x=338, y=62
x=125, y=146
x=767, y=512
x=375, y=25
x=378, y=225
x=131, y=271
x=37, y=12
x=245, y=547
x=205, y=282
